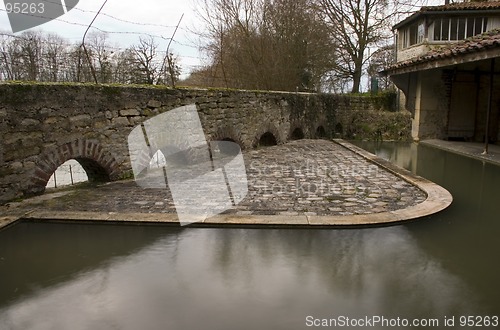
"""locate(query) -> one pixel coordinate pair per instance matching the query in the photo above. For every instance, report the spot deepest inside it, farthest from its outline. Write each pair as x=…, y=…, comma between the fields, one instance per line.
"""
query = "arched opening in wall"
x=69, y=173
x=153, y=171
x=175, y=157
x=97, y=164
x=297, y=134
x=95, y=172
x=339, y=130
x=227, y=148
x=267, y=139
x=320, y=132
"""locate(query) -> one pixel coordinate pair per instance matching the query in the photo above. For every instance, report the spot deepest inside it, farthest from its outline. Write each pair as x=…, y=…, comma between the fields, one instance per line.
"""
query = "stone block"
x=30, y=122
x=47, y=111
x=129, y=112
x=120, y=121
x=81, y=120
x=136, y=120
x=203, y=106
x=21, y=153
x=29, y=165
x=53, y=120
x=32, y=139
x=101, y=124
x=12, y=137
x=154, y=104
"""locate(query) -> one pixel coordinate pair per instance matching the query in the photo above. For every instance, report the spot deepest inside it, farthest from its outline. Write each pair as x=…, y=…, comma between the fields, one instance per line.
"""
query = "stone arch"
x=227, y=133
x=320, y=132
x=99, y=165
x=172, y=154
x=339, y=129
x=269, y=130
x=297, y=134
x=179, y=155
x=267, y=139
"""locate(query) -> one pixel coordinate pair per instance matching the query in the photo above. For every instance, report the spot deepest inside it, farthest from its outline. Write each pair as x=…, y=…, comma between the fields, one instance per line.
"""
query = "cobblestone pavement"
x=304, y=177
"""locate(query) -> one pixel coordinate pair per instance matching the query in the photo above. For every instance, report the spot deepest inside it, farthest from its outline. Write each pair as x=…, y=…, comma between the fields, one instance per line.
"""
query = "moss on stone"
x=380, y=125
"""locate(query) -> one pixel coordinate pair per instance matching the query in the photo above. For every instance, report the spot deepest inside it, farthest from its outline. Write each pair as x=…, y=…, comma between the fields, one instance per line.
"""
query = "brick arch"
x=99, y=165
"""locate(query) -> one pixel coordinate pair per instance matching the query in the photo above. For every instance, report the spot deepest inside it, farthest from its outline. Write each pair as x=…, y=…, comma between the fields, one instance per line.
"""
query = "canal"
x=443, y=267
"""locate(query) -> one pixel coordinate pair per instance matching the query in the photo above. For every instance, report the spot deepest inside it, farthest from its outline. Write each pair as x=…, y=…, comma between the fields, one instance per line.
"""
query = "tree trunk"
x=356, y=80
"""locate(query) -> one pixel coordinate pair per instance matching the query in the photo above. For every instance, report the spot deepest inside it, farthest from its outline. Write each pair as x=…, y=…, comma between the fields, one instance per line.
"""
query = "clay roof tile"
x=488, y=40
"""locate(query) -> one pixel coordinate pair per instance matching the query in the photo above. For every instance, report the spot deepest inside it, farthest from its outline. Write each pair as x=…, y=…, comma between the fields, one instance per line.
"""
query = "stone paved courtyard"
x=303, y=177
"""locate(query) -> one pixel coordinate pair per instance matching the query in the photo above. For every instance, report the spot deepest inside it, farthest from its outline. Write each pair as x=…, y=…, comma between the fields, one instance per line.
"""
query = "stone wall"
x=43, y=125
x=371, y=117
x=412, y=51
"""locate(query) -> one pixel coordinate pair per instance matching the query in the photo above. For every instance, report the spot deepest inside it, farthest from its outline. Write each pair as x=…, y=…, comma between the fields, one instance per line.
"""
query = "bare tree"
x=100, y=55
x=48, y=57
x=355, y=25
x=201, y=77
x=22, y=55
x=124, y=67
x=380, y=59
x=265, y=44
x=171, y=75
x=298, y=50
x=228, y=26
x=78, y=69
x=147, y=64
x=359, y=25
x=5, y=58
x=54, y=56
x=31, y=54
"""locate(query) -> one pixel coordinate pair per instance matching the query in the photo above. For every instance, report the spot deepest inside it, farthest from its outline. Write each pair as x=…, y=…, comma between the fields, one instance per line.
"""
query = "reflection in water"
x=464, y=237
x=58, y=276
x=248, y=279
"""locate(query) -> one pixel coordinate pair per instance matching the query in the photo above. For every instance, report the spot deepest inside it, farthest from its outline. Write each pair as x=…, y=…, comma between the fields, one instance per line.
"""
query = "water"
x=74, y=276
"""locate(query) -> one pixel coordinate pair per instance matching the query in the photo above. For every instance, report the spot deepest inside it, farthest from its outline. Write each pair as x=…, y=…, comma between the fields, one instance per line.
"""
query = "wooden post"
x=71, y=174
x=488, y=110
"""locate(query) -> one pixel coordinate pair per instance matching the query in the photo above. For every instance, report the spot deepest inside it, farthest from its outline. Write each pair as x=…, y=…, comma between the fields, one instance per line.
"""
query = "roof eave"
x=443, y=12
x=407, y=20
x=444, y=62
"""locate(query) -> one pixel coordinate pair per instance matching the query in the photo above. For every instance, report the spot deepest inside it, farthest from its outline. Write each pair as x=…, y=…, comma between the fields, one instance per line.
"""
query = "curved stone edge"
x=437, y=200
x=8, y=220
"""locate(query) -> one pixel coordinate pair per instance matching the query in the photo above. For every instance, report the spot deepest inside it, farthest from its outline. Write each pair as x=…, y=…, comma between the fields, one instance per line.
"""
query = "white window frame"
x=454, y=22
x=407, y=37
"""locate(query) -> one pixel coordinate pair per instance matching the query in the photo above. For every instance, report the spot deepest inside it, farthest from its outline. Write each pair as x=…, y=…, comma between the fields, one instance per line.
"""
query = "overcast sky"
x=165, y=13
x=155, y=17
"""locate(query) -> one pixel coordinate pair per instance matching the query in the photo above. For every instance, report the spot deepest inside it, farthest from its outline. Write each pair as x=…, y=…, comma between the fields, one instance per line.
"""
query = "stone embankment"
x=301, y=183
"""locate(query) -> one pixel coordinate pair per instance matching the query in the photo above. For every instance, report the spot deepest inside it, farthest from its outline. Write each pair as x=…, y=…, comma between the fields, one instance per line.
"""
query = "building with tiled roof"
x=486, y=45
x=436, y=26
x=448, y=69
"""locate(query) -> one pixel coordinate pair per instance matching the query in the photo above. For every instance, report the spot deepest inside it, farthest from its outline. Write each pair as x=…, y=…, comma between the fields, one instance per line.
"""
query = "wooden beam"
x=448, y=61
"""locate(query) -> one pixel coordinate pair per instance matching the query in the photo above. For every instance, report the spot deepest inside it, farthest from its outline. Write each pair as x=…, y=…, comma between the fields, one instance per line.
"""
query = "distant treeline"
x=38, y=56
